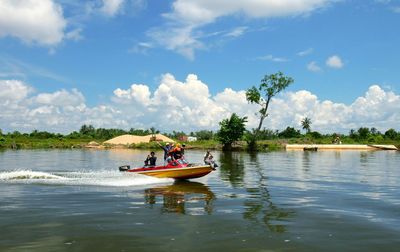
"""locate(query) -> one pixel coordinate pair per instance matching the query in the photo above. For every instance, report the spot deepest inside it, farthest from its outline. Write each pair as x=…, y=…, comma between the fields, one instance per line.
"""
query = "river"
x=77, y=200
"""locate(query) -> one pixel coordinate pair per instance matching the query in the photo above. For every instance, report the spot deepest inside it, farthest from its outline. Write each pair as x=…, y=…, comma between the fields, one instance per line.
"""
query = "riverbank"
x=25, y=142
x=318, y=147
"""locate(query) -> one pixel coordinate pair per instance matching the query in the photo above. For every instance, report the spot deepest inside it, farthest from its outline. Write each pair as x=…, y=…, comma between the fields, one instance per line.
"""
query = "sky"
x=184, y=65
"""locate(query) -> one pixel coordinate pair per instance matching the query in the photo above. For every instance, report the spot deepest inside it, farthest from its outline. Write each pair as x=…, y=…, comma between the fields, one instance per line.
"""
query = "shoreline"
x=268, y=145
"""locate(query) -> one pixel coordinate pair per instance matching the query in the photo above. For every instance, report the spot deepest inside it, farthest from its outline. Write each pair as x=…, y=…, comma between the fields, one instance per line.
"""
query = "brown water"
x=76, y=200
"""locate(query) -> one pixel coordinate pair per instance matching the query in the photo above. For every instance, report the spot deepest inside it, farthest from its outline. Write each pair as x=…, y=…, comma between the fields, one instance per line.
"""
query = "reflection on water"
x=232, y=167
x=77, y=200
x=178, y=196
x=259, y=206
x=306, y=161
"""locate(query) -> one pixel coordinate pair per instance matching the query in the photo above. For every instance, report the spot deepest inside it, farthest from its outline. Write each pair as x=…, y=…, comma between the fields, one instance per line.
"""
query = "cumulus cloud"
x=32, y=21
x=181, y=33
x=179, y=105
x=188, y=106
x=60, y=111
x=334, y=62
x=313, y=67
x=13, y=91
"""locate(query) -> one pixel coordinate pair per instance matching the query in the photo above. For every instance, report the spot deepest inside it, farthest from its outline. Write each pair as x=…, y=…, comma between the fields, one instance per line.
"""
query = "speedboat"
x=176, y=169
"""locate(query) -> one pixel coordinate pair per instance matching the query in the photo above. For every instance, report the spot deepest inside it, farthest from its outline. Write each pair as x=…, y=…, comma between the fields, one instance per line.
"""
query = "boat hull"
x=175, y=173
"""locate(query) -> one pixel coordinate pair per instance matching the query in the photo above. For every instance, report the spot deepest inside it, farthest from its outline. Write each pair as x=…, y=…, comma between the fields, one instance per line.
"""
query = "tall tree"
x=270, y=86
x=87, y=130
x=231, y=130
x=306, y=124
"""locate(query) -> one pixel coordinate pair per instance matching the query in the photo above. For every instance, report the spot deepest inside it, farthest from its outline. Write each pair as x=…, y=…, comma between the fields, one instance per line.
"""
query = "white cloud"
x=74, y=34
x=313, y=67
x=141, y=47
x=189, y=106
x=201, y=12
x=179, y=39
x=32, y=21
x=305, y=52
x=13, y=91
x=111, y=7
x=272, y=58
x=61, y=98
x=334, y=62
x=237, y=32
x=182, y=32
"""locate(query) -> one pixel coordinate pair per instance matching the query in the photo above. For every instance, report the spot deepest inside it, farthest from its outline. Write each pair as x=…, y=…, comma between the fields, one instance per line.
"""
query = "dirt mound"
x=132, y=139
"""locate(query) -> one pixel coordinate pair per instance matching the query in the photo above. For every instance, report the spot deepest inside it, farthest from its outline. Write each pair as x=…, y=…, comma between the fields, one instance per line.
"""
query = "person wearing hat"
x=166, y=149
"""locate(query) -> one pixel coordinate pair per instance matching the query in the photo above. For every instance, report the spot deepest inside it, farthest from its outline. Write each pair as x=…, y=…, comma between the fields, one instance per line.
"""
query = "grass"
x=27, y=142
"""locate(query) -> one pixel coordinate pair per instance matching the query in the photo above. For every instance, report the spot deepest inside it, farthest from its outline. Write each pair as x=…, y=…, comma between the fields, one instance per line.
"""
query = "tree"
x=231, y=130
x=270, y=86
x=289, y=132
x=374, y=131
x=205, y=134
x=306, y=124
x=353, y=134
x=391, y=134
x=87, y=130
x=363, y=133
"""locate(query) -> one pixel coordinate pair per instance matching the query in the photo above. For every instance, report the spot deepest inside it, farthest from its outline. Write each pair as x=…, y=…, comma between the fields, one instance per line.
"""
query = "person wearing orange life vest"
x=176, y=152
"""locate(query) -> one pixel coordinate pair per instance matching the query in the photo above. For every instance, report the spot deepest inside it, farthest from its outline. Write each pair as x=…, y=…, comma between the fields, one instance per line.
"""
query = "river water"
x=77, y=200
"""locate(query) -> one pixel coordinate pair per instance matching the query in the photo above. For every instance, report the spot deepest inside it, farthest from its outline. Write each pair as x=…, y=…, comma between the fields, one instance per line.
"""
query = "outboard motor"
x=124, y=168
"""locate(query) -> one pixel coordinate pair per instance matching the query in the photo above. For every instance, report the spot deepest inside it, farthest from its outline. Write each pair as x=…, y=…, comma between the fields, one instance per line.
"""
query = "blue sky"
x=342, y=55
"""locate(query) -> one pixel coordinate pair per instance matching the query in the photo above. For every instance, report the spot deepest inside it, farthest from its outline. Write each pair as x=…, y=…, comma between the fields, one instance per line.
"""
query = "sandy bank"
x=340, y=147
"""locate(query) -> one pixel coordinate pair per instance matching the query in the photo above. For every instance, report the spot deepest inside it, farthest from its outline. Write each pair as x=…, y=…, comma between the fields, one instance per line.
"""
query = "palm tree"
x=306, y=124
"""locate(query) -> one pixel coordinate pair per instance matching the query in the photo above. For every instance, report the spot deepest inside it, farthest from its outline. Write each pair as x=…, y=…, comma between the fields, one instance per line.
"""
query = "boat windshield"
x=182, y=161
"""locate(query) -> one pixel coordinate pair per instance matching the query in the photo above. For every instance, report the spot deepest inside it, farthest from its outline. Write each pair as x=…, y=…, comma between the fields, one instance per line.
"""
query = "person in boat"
x=209, y=159
x=176, y=153
x=208, y=153
x=150, y=160
x=166, y=149
x=183, y=149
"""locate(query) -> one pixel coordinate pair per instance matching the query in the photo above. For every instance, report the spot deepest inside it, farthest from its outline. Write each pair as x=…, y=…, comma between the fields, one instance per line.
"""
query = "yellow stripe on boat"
x=179, y=173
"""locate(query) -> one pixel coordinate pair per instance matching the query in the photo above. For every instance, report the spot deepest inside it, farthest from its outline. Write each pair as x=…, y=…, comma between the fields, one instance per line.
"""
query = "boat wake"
x=91, y=178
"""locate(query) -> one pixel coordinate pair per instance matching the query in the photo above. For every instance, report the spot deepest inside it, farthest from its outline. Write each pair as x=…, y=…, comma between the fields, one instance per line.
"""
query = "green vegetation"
x=232, y=130
x=270, y=86
x=267, y=139
x=306, y=124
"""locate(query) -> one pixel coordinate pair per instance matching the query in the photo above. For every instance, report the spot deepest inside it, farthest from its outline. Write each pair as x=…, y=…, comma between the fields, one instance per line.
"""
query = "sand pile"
x=94, y=144
x=132, y=139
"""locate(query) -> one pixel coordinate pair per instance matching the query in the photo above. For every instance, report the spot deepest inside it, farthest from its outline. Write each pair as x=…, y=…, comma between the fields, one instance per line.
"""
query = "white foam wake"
x=100, y=178
x=27, y=174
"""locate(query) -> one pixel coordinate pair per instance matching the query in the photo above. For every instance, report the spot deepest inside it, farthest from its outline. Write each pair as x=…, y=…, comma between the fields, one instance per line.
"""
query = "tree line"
x=232, y=129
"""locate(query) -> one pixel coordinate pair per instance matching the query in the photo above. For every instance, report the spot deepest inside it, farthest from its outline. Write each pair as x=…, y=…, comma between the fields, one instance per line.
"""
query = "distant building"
x=191, y=139
x=183, y=138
